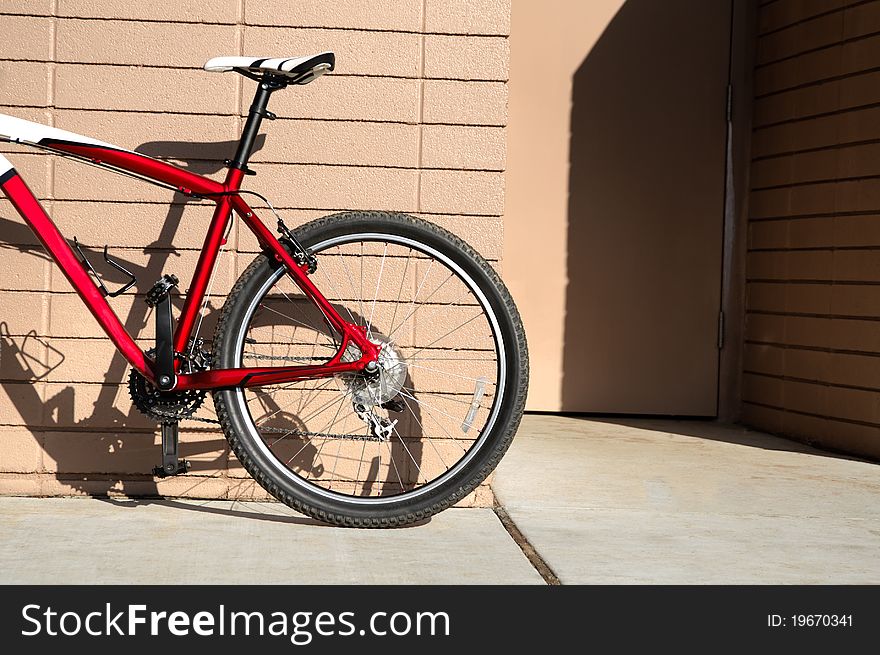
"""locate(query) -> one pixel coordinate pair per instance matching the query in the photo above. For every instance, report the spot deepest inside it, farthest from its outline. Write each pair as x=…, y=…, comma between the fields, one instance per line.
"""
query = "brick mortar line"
x=194, y=248
x=109, y=385
x=124, y=385
x=843, y=145
x=152, y=203
x=226, y=115
x=813, y=415
x=46, y=309
x=820, y=349
x=796, y=185
x=147, y=341
x=810, y=117
x=421, y=105
x=159, y=203
x=815, y=248
x=120, y=476
x=343, y=165
x=823, y=14
x=279, y=119
x=152, y=251
x=827, y=315
x=797, y=217
x=820, y=82
x=242, y=23
x=396, y=167
x=329, y=210
x=813, y=281
x=87, y=429
x=167, y=67
x=828, y=46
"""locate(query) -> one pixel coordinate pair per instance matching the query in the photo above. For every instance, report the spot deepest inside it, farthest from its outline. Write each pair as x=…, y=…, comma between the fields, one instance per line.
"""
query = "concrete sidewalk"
x=685, y=502
x=632, y=501
x=91, y=541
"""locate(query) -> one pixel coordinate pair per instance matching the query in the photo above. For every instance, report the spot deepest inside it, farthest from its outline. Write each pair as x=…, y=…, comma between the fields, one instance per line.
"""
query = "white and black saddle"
x=295, y=70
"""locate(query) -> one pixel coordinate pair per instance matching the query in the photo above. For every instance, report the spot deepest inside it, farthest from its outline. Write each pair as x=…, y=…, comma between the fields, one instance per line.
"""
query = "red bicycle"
x=378, y=402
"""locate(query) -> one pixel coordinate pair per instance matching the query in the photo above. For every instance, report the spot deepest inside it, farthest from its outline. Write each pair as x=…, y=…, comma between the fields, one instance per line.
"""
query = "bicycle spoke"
x=282, y=408
x=394, y=464
x=282, y=437
x=403, y=443
x=415, y=298
x=438, y=394
x=321, y=409
x=422, y=403
x=292, y=457
x=324, y=441
x=471, y=320
x=376, y=294
x=378, y=467
x=353, y=290
x=301, y=311
x=448, y=359
x=291, y=385
x=453, y=375
x=337, y=294
x=290, y=318
x=439, y=424
x=399, y=292
x=431, y=441
x=361, y=294
x=431, y=295
x=360, y=462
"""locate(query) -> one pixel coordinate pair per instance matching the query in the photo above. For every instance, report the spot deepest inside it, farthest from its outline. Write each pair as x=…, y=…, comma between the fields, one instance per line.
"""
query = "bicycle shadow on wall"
x=126, y=441
x=125, y=438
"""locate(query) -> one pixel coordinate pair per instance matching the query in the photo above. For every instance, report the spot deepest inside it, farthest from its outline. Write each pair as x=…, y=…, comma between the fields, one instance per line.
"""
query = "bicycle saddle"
x=297, y=70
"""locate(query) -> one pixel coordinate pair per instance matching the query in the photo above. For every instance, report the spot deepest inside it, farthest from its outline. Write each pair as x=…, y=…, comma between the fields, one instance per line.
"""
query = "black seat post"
x=267, y=85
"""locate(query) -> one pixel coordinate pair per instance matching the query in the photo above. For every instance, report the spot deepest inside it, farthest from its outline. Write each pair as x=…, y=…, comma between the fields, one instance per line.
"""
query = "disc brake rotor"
x=383, y=385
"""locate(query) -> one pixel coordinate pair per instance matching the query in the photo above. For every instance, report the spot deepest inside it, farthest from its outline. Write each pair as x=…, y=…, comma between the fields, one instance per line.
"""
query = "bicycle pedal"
x=161, y=289
x=183, y=466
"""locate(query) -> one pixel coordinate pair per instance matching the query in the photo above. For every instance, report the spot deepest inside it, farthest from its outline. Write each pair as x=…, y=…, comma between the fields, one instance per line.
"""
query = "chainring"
x=162, y=406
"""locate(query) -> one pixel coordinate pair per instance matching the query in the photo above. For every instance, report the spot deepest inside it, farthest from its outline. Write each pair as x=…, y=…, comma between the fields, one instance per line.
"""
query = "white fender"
x=19, y=130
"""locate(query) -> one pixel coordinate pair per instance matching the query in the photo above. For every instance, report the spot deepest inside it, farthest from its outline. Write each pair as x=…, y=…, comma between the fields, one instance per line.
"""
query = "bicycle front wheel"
x=391, y=449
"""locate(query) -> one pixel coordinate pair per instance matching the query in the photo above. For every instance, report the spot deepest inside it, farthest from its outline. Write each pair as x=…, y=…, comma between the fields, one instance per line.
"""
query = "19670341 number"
x=821, y=620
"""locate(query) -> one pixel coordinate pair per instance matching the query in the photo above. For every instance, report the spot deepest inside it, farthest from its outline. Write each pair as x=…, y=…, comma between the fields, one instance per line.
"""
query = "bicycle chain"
x=286, y=358
x=327, y=435
x=296, y=433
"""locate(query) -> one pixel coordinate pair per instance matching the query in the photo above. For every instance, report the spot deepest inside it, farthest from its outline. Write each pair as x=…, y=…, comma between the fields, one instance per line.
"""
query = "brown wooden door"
x=645, y=207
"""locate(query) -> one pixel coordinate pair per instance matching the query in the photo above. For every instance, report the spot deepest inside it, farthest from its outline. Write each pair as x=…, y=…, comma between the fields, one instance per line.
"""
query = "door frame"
x=743, y=35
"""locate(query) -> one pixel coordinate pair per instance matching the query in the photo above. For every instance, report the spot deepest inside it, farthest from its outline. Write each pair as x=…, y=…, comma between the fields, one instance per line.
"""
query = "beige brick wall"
x=412, y=120
x=812, y=333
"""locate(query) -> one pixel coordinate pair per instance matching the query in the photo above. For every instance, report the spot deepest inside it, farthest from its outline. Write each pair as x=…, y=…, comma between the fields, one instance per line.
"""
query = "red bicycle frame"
x=227, y=200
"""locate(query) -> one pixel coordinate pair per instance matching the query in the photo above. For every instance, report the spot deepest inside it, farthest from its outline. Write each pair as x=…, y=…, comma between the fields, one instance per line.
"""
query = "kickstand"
x=171, y=465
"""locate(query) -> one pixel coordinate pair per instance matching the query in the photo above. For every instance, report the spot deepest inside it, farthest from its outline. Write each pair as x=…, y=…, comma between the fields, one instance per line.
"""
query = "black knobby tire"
x=407, y=506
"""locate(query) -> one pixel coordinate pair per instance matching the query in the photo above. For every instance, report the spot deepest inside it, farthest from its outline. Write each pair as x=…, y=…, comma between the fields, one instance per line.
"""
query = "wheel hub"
x=385, y=382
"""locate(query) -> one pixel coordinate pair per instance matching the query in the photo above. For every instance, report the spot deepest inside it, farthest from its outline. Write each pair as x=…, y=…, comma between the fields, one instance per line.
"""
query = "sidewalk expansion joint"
x=527, y=549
